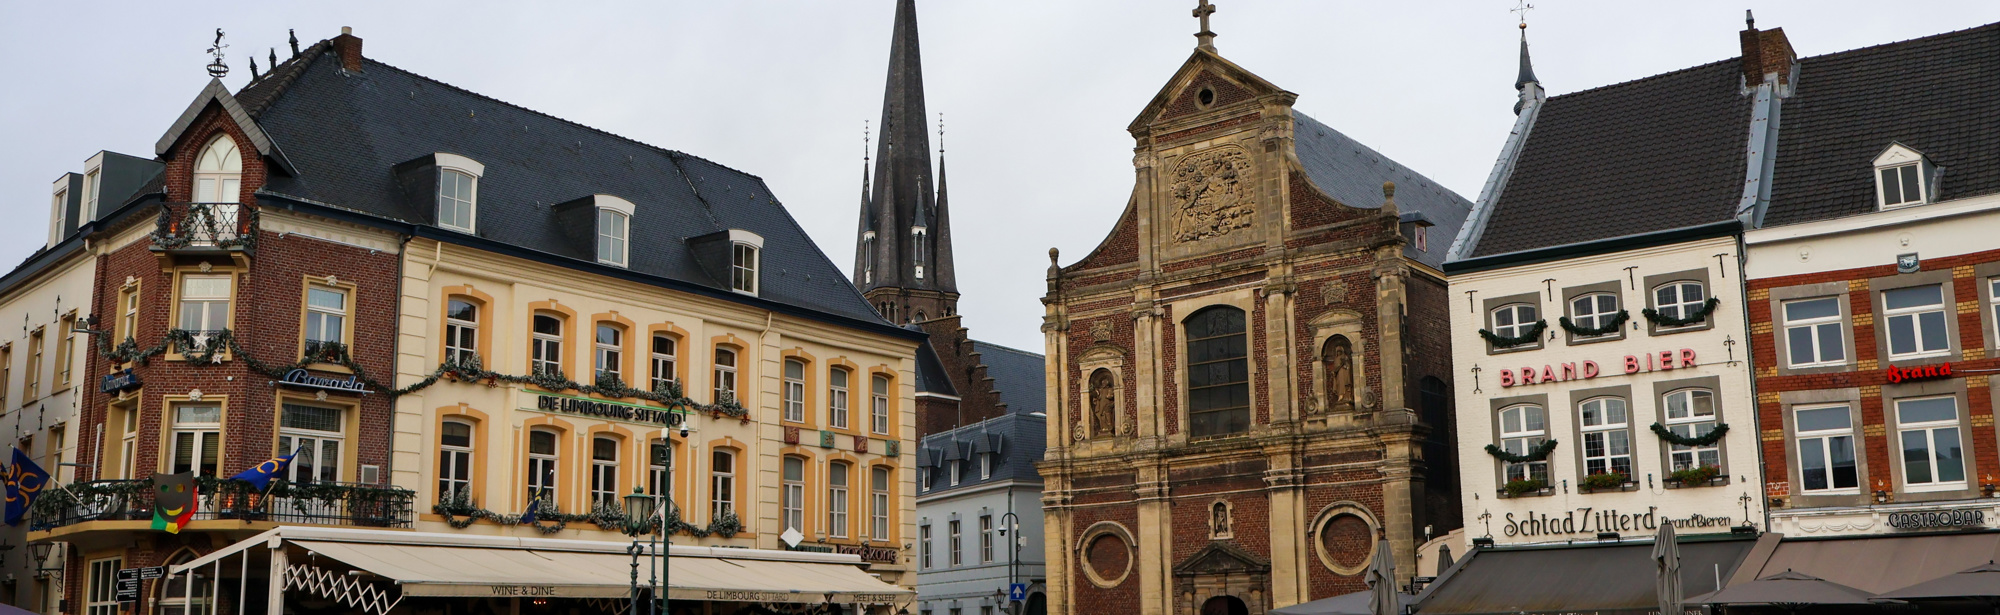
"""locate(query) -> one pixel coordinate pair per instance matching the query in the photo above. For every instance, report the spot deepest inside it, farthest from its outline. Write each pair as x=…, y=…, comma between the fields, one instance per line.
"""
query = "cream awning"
x=426, y=570
x=742, y=575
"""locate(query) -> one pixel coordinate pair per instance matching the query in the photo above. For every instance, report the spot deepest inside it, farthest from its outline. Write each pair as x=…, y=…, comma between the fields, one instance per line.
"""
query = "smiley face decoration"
x=174, y=501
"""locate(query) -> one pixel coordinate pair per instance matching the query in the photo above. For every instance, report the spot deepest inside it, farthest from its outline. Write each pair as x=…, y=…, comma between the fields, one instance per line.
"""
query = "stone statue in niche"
x=1218, y=523
x=1103, y=405
x=1337, y=357
x=1212, y=194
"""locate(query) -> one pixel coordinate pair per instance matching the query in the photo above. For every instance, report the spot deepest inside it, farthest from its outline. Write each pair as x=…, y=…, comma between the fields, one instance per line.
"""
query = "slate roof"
x=1353, y=174
x=1023, y=439
x=1939, y=95
x=1017, y=374
x=931, y=377
x=1659, y=153
x=343, y=132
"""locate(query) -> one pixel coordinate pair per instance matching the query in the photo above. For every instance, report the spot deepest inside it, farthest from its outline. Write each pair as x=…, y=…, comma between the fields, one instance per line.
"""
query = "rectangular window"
x=608, y=352
x=956, y=559
x=128, y=319
x=197, y=439
x=547, y=340
x=316, y=434
x=1993, y=297
x=880, y=405
x=1607, y=439
x=985, y=466
x=603, y=473
x=461, y=332
x=722, y=484
x=455, y=198
x=879, y=504
x=1933, y=459
x=91, y=186
x=1917, y=322
x=66, y=333
x=836, y=500
x=326, y=317
x=101, y=588
x=128, y=449
x=1826, y=450
x=836, y=399
x=33, y=387
x=6, y=372
x=795, y=391
x=924, y=540
x=1901, y=186
x=611, y=235
x=1691, y=414
x=455, y=462
x=1812, y=332
x=542, y=462
x=725, y=375
x=1522, y=430
x=664, y=357
x=793, y=501
x=743, y=268
x=205, y=303
x=953, y=471
x=985, y=538
x=660, y=469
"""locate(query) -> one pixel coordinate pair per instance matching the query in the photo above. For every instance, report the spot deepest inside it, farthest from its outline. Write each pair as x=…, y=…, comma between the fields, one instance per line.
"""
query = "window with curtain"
x=326, y=316
x=461, y=331
x=721, y=483
x=879, y=405
x=1607, y=439
x=547, y=344
x=1691, y=414
x=455, y=461
x=542, y=462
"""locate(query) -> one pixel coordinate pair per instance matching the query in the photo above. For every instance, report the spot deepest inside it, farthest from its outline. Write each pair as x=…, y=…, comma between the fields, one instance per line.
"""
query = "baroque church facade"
x=1244, y=402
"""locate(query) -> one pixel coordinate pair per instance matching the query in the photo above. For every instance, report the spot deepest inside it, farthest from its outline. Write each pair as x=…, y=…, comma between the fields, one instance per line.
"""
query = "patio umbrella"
x=1786, y=589
x=1382, y=581
x=1667, y=556
x=1444, y=559
x=1345, y=604
x=1980, y=583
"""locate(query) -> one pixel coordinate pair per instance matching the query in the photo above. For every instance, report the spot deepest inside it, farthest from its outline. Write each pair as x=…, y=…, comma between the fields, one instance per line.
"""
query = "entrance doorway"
x=1224, y=605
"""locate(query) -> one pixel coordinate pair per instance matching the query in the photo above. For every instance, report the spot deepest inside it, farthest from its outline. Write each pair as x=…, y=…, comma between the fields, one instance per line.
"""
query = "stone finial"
x=1053, y=253
x=1389, y=190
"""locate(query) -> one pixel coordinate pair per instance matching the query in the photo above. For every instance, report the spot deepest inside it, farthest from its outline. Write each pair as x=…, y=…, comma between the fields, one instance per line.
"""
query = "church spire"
x=947, y=279
x=1527, y=74
x=903, y=238
x=864, y=237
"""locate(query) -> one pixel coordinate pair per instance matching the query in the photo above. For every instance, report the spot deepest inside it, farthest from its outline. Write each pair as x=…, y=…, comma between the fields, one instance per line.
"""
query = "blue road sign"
x=1017, y=592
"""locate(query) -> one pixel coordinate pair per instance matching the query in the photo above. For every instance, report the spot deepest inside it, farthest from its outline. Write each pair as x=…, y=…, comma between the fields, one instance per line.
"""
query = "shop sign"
x=1921, y=372
x=302, y=378
x=1589, y=520
x=1633, y=364
x=611, y=410
x=810, y=548
x=876, y=555
x=523, y=590
x=119, y=381
x=1933, y=519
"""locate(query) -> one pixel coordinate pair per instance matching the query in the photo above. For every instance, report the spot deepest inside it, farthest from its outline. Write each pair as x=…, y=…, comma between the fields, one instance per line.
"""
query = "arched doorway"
x=1224, y=605
x=1038, y=604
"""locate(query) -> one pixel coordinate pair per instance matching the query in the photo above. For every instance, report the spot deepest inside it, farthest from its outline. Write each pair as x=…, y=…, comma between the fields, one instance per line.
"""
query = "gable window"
x=954, y=472
x=1826, y=450
x=1515, y=320
x=1679, y=300
x=836, y=398
x=326, y=317
x=1927, y=430
x=457, y=192
x=1901, y=185
x=664, y=352
x=722, y=484
x=607, y=352
x=197, y=439
x=1691, y=414
x=795, y=390
x=603, y=472
x=1218, y=372
x=725, y=375
x=743, y=268
x=455, y=462
x=879, y=404
x=836, y=499
x=59, y=216
x=91, y=186
x=879, y=503
x=461, y=332
x=1813, y=332
x=1522, y=429
x=218, y=175
x=541, y=465
x=612, y=231
x=1607, y=443
x=547, y=357
x=1917, y=321
x=985, y=466
x=794, y=494
x=1594, y=311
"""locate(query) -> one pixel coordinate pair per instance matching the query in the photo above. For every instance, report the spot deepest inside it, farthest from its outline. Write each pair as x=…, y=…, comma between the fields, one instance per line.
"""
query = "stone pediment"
x=1222, y=558
x=1230, y=82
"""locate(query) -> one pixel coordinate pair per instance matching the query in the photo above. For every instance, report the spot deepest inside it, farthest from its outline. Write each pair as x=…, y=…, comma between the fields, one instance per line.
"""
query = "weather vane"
x=1521, y=10
x=217, y=69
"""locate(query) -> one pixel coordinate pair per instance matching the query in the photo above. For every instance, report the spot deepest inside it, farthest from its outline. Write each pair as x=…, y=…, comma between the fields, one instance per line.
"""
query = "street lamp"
x=1010, y=521
x=41, y=551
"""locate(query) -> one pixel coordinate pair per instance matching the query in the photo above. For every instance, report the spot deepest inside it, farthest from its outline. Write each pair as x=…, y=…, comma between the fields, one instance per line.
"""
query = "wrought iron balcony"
x=323, y=503
x=204, y=342
x=205, y=227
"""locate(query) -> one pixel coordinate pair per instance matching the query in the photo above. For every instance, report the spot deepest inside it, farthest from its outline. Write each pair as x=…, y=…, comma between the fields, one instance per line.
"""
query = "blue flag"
x=25, y=480
x=260, y=476
x=534, y=506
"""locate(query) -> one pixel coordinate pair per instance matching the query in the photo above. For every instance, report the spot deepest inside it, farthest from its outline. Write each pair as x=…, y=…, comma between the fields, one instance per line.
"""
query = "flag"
x=175, y=499
x=25, y=481
x=260, y=475
x=534, y=505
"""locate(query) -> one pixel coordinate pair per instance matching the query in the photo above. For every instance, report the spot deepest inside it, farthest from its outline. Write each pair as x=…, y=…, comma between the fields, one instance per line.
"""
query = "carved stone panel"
x=1212, y=194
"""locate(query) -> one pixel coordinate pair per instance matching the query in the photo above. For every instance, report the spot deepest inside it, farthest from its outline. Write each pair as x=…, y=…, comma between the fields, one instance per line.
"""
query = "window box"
x=1608, y=482
x=1525, y=489
x=1717, y=481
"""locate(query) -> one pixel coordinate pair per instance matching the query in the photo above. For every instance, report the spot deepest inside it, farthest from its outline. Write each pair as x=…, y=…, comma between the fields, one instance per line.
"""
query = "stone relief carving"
x=1100, y=331
x=1212, y=194
x=1334, y=293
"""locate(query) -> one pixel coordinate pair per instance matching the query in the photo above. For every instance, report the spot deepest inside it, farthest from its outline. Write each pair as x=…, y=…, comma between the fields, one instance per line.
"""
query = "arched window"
x=795, y=390
x=1680, y=299
x=1691, y=414
x=1607, y=439
x=608, y=352
x=879, y=504
x=461, y=331
x=721, y=483
x=455, y=462
x=1515, y=320
x=218, y=172
x=836, y=398
x=725, y=375
x=1522, y=429
x=603, y=472
x=1594, y=311
x=879, y=405
x=548, y=334
x=792, y=496
x=176, y=599
x=665, y=355
x=836, y=498
x=917, y=236
x=542, y=465
x=457, y=192
x=1337, y=364
x=1218, y=372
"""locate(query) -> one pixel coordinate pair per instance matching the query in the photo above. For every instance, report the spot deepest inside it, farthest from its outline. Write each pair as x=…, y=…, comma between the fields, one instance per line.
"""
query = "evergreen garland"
x=1617, y=321
x=1701, y=314
x=1539, y=453
x=1708, y=439
x=1530, y=336
x=232, y=496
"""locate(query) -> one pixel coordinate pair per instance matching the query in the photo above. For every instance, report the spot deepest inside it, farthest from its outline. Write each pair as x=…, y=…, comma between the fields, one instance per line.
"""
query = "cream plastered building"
x=718, y=463
x=1598, y=396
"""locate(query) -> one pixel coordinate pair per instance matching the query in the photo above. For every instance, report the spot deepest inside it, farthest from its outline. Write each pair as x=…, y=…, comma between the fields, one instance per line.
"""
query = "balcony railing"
x=199, y=341
x=324, y=503
x=206, y=226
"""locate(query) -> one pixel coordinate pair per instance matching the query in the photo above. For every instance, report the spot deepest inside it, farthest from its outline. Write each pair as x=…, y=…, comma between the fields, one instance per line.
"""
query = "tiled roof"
x=1659, y=153
x=931, y=377
x=345, y=131
x=1022, y=439
x=1939, y=95
x=1353, y=174
x=1017, y=374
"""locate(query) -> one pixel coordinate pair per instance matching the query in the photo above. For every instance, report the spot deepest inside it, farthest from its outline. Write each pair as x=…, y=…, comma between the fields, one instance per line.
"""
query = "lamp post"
x=1011, y=522
x=640, y=510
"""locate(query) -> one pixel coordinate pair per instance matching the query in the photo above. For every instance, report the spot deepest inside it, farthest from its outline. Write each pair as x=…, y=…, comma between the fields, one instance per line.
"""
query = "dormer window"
x=614, y=229
x=732, y=257
x=743, y=268
x=1902, y=177
x=458, y=191
x=218, y=172
x=90, y=189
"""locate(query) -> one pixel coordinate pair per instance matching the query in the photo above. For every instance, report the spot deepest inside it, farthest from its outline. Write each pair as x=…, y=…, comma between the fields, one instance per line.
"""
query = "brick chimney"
x=349, y=47
x=1766, y=55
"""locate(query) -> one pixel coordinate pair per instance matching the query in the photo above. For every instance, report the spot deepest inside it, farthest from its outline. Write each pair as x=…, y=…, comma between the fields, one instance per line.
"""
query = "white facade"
x=1600, y=395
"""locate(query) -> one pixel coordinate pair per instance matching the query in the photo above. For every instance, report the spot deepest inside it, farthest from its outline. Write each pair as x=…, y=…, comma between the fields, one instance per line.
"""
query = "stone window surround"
x=1788, y=401
x=1652, y=283
x=1576, y=399
x=1326, y=516
x=1243, y=299
x=1713, y=384
x=1985, y=275
x=1954, y=387
x=1486, y=308
x=1344, y=322
x=1781, y=296
x=1493, y=415
x=1571, y=293
x=1941, y=278
x=1113, y=360
x=1090, y=535
x=1229, y=512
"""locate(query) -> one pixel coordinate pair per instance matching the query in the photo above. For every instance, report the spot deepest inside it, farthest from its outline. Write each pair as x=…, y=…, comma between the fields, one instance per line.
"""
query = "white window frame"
x=839, y=475
x=1519, y=442
x=607, y=357
x=1816, y=329
x=1594, y=418
x=838, y=381
x=879, y=410
x=744, y=261
x=1993, y=303
x=1681, y=306
x=665, y=363
x=544, y=469
x=1689, y=426
x=471, y=170
x=455, y=462
x=795, y=391
x=660, y=468
x=461, y=336
x=604, y=491
x=226, y=172
x=1917, y=328
x=130, y=330
x=721, y=483
x=327, y=315
x=985, y=466
x=289, y=440
x=1519, y=324
x=546, y=352
x=187, y=300
x=1596, y=317
x=1904, y=174
x=1826, y=438
x=100, y=588
x=58, y=213
x=878, y=495
x=954, y=472
x=206, y=434
x=792, y=492
x=1930, y=430
x=955, y=541
x=614, y=233
x=924, y=538
x=986, y=539
x=725, y=375
x=129, y=449
x=93, y=183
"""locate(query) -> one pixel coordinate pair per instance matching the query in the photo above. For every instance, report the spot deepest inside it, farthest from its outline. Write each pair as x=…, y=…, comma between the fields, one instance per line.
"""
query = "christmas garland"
x=227, y=490
x=1695, y=477
x=1539, y=453
x=1700, y=314
x=460, y=512
x=164, y=234
x=1617, y=321
x=1604, y=480
x=1531, y=335
x=1708, y=439
x=1518, y=488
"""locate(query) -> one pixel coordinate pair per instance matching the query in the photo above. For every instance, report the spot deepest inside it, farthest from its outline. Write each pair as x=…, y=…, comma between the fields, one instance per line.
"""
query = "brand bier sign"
x=1634, y=363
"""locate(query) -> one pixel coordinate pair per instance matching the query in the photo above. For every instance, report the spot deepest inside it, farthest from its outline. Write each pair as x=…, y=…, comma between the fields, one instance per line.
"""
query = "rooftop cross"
x=1521, y=10
x=1205, y=38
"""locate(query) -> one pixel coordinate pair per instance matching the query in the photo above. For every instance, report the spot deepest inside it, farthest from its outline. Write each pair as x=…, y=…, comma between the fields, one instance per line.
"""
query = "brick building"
x=1240, y=397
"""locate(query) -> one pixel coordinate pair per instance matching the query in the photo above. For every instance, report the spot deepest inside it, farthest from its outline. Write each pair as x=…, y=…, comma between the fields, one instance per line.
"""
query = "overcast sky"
x=1036, y=95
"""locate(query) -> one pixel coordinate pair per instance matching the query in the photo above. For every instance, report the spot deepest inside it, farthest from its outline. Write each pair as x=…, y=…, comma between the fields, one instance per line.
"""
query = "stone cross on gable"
x=1205, y=38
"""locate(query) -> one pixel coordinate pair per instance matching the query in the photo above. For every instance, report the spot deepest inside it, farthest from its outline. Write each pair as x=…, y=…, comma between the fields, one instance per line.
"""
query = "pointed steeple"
x=1527, y=75
x=903, y=199
x=947, y=279
x=864, y=237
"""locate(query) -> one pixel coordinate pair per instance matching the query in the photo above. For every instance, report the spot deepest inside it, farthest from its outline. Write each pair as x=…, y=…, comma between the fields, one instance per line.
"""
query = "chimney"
x=349, y=47
x=1767, y=55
